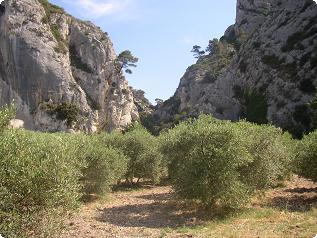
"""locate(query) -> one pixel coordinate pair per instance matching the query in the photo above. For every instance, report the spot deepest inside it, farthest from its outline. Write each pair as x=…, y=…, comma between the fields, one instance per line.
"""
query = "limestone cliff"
x=60, y=71
x=264, y=68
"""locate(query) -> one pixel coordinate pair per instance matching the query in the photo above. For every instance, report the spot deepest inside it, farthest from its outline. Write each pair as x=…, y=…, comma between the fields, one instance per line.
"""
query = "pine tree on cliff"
x=125, y=60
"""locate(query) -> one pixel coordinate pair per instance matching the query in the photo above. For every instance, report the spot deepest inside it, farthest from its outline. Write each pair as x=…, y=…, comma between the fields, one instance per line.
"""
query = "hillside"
x=60, y=71
x=263, y=69
x=215, y=160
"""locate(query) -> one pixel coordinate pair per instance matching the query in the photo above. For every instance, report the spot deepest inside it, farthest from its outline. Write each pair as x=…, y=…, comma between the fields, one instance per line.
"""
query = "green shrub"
x=56, y=33
x=141, y=149
x=224, y=163
x=256, y=107
x=292, y=40
x=6, y=114
x=51, y=8
x=306, y=157
x=271, y=153
x=204, y=158
x=272, y=60
x=104, y=166
x=63, y=111
x=38, y=183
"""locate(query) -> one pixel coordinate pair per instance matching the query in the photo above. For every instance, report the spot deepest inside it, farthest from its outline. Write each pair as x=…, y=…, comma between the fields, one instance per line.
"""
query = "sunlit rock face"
x=49, y=59
x=270, y=53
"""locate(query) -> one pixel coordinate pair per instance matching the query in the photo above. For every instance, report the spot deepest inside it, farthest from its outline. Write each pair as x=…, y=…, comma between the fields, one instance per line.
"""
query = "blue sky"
x=160, y=33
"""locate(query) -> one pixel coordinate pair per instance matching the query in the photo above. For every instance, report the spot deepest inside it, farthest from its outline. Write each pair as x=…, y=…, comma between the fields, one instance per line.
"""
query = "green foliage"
x=197, y=51
x=141, y=149
x=6, y=114
x=104, y=165
x=292, y=40
x=307, y=86
x=76, y=61
x=221, y=54
x=62, y=111
x=302, y=115
x=256, y=107
x=56, y=33
x=313, y=60
x=288, y=69
x=306, y=157
x=232, y=39
x=51, y=8
x=223, y=163
x=38, y=183
x=313, y=106
x=271, y=153
x=272, y=60
x=125, y=60
x=212, y=47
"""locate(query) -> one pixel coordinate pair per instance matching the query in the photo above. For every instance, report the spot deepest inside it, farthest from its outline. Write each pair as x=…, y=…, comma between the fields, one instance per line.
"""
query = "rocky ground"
x=289, y=211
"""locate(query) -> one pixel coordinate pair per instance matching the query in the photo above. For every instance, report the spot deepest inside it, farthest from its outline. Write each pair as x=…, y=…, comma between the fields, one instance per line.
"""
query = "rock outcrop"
x=143, y=105
x=60, y=71
x=264, y=68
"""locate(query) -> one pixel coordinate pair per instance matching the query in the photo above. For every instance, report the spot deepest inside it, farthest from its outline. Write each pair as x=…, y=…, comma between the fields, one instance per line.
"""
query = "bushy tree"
x=306, y=157
x=104, y=165
x=223, y=163
x=271, y=153
x=38, y=183
x=141, y=149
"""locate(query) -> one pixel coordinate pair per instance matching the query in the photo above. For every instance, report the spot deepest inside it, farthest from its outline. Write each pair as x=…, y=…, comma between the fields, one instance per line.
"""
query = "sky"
x=160, y=33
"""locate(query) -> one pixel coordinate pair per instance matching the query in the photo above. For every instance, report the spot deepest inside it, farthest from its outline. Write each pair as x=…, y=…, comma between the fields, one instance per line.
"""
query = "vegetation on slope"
x=49, y=10
x=215, y=163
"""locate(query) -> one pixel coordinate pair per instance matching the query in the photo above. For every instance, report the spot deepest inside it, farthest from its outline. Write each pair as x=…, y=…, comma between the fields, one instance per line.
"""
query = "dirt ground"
x=152, y=212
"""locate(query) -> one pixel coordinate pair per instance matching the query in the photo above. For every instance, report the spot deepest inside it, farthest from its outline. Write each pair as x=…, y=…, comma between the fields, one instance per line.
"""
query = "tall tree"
x=125, y=60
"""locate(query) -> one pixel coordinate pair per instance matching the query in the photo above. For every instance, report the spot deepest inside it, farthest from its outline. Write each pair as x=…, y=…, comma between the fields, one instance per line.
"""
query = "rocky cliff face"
x=60, y=71
x=143, y=105
x=264, y=68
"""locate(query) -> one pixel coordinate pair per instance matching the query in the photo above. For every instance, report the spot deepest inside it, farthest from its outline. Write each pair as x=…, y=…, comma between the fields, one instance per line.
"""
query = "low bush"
x=306, y=157
x=223, y=163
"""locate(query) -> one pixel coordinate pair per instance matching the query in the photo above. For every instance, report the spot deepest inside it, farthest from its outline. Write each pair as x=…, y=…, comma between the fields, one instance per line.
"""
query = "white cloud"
x=188, y=40
x=99, y=8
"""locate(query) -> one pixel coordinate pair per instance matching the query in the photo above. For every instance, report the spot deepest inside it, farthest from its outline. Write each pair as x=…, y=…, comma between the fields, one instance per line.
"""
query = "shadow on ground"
x=159, y=214
x=296, y=199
